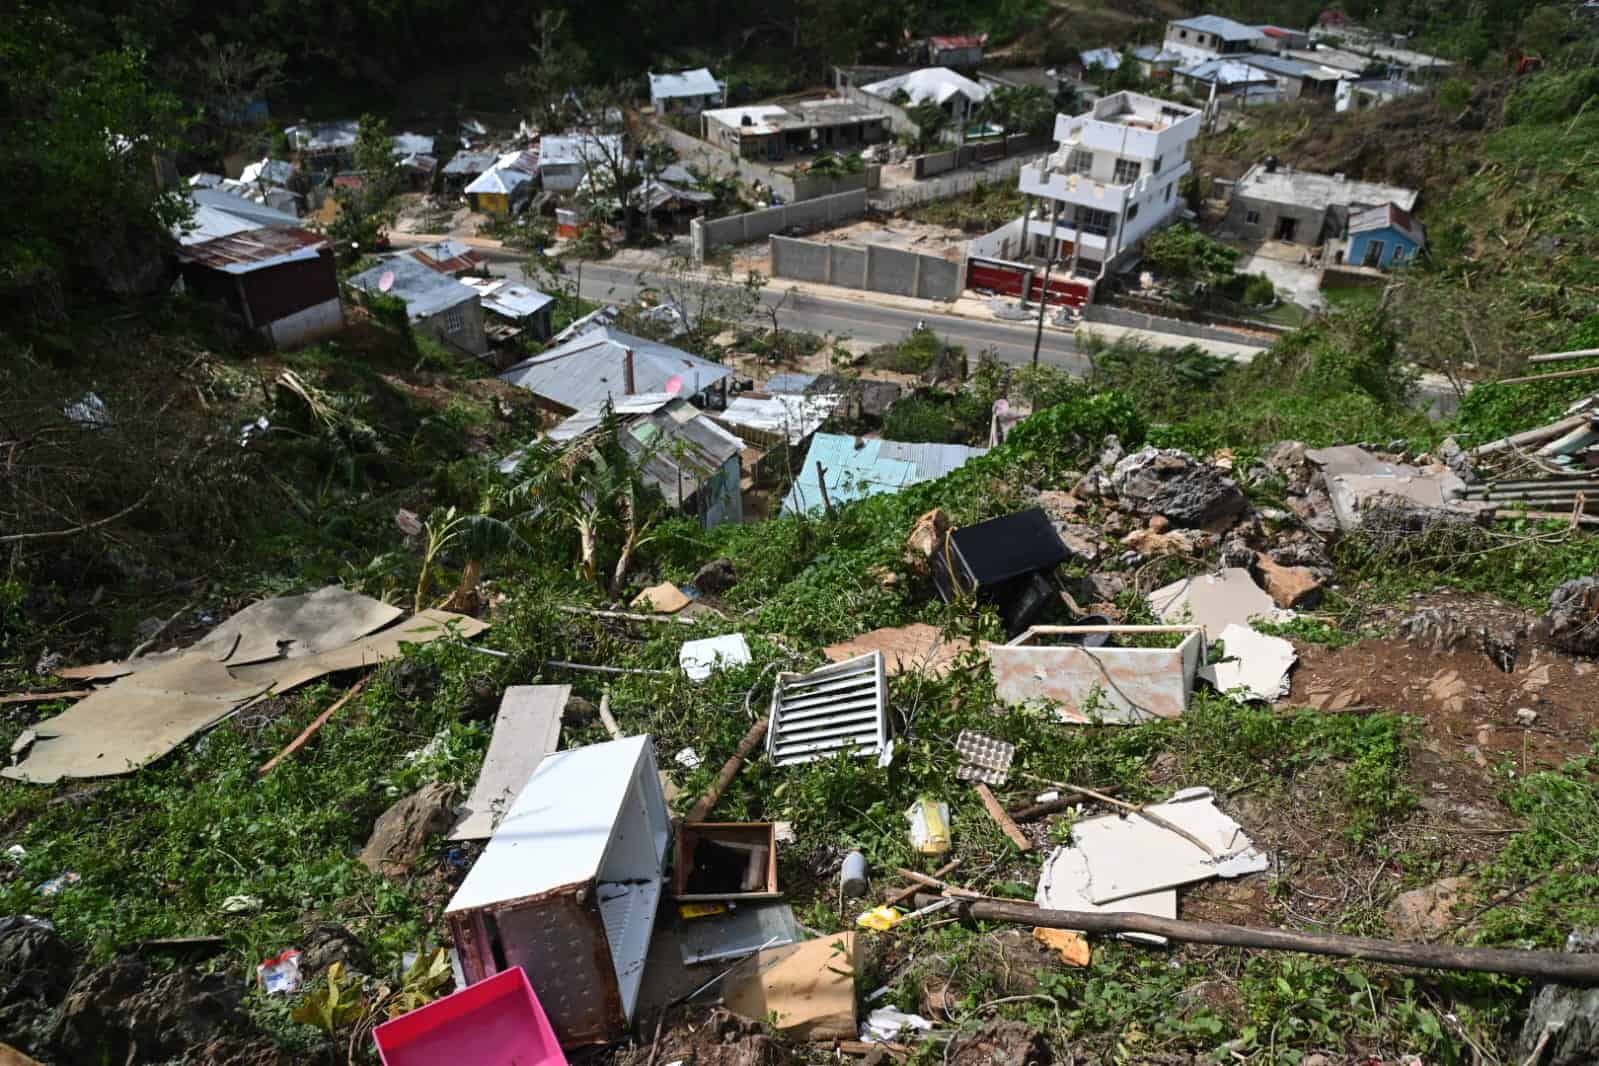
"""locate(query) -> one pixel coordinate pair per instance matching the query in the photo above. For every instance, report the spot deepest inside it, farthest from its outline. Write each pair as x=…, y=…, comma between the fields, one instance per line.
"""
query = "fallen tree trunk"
x=1559, y=967
x=730, y=769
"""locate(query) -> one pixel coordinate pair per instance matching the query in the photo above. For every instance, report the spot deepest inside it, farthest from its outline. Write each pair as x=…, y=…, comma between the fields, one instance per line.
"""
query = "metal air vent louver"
x=843, y=707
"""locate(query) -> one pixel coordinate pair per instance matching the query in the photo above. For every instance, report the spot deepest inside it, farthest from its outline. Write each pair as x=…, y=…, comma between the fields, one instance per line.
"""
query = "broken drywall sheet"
x=430, y=625
x=527, y=728
x=700, y=658
x=1132, y=856
x=1216, y=601
x=1255, y=666
x=282, y=627
x=133, y=721
x=665, y=598
x=805, y=990
x=906, y=649
x=1064, y=885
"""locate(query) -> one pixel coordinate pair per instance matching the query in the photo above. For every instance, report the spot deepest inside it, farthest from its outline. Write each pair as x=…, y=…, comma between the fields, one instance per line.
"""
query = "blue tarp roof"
x=854, y=468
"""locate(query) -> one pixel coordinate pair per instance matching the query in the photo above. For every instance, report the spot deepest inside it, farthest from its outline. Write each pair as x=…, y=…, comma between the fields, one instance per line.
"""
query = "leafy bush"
x=912, y=355
x=1182, y=253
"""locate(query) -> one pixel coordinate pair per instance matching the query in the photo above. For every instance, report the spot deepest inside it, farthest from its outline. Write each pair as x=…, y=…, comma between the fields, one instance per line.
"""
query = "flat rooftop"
x=1137, y=111
x=1308, y=189
x=806, y=114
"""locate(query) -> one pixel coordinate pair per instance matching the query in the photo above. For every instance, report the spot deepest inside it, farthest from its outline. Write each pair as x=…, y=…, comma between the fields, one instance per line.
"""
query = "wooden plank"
x=526, y=729
x=1002, y=819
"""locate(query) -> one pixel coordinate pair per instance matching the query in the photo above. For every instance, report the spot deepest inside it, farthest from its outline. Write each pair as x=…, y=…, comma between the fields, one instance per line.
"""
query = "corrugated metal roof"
x=937, y=84
x=1225, y=28
x=499, y=181
x=684, y=448
x=413, y=144
x=792, y=417
x=578, y=148
x=589, y=368
x=961, y=40
x=789, y=383
x=1109, y=58
x=1154, y=53
x=1225, y=72
x=1288, y=68
x=271, y=171
x=254, y=249
x=854, y=468
x=258, y=214
x=469, y=163
x=508, y=300
x=425, y=292
x=652, y=195
x=697, y=82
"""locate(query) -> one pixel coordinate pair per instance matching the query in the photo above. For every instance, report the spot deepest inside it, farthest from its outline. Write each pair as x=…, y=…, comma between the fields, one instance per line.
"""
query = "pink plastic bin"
x=496, y=1022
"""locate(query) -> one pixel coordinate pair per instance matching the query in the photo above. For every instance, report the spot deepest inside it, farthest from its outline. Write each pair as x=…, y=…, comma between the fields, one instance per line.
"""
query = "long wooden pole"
x=625, y=616
x=1584, y=372
x=313, y=729
x=1562, y=357
x=730, y=769
x=1557, y=966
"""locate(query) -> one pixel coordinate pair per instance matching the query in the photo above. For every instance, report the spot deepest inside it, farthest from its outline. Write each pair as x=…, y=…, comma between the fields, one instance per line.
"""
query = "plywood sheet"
x=906, y=649
x=133, y=721
x=527, y=728
x=285, y=674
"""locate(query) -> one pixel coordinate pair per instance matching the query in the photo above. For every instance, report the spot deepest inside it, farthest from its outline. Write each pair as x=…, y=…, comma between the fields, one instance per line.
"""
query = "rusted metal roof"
x=448, y=257
x=241, y=253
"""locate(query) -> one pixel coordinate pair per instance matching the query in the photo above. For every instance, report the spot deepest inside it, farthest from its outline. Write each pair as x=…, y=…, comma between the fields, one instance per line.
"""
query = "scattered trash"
x=701, y=658
x=666, y=598
x=929, y=826
x=408, y=523
x=17, y=852
x=526, y=729
x=701, y=910
x=1255, y=668
x=804, y=990
x=983, y=758
x=497, y=1020
x=852, y=881
x=88, y=410
x=579, y=860
x=784, y=832
x=1216, y=601
x=744, y=930
x=880, y=919
x=886, y=1023
x=1111, y=684
x=906, y=649
x=56, y=885
x=1071, y=947
x=843, y=707
x=281, y=973
x=1005, y=561
x=725, y=861
x=241, y=905
x=688, y=758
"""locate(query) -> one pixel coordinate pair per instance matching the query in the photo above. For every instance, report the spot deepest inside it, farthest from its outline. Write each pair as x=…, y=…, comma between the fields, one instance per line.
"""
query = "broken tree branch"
x=607, y=718
x=1559, y=967
x=53, y=534
x=1002, y=818
x=625, y=616
x=730, y=769
x=1154, y=819
x=313, y=729
x=906, y=893
x=589, y=668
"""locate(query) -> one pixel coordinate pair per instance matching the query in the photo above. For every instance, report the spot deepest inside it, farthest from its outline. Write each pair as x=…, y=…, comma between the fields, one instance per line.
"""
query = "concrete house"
x=566, y=160
x=1372, y=92
x=1298, y=80
x=773, y=133
x=604, y=363
x=688, y=92
x=1383, y=237
x=1278, y=39
x=1276, y=202
x=279, y=279
x=1229, y=82
x=1211, y=37
x=963, y=50
x=1155, y=61
x=435, y=304
x=1111, y=179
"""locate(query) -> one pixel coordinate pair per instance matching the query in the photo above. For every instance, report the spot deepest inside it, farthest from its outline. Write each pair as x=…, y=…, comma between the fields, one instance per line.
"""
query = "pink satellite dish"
x=386, y=282
x=674, y=385
x=1001, y=406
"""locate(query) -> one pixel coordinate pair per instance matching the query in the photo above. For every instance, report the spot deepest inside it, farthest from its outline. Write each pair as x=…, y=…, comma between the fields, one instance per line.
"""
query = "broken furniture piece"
x=1006, y=561
x=1112, y=684
x=567, y=888
x=496, y=1022
x=839, y=708
x=526, y=729
x=725, y=861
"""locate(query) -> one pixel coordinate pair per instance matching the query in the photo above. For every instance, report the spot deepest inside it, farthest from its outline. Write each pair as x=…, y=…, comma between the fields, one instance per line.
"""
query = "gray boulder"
x=1572, y=623
x=1570, y=1017
x=1165, y=481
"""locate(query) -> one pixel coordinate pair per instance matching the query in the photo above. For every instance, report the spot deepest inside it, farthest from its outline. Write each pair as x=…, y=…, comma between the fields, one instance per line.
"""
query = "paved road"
x=868, y=322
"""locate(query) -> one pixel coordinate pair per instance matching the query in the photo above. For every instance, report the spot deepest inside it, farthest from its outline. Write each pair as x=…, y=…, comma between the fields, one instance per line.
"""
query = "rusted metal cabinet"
x=567, y=888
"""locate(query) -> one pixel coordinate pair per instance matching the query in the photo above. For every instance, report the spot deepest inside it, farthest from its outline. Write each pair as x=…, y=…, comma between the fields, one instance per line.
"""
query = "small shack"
x=435, y=304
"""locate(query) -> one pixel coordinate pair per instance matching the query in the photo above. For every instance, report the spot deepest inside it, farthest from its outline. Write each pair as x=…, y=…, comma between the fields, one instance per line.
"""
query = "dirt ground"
x=943, y=241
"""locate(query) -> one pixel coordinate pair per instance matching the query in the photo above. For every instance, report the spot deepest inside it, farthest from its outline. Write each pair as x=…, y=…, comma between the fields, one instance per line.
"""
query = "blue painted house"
x=1384, y=237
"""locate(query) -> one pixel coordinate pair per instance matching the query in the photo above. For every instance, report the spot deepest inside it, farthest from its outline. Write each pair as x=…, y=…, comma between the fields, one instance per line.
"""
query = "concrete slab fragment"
x=1216, y=601
x=1110, y=684
x=1065, y=884
x=527, y=728
x=1256, y=666
x=1132, y=856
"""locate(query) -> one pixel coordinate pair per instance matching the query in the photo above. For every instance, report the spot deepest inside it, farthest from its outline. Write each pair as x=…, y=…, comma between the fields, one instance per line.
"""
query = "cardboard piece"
x=134, y=721
x=665, y=598
x=1255, y=668
x=527, y=728
x=1071, y=947
x=1132, y=856
x=10, y=1056
x=1216, y=601
x=808, y=989
x=906, y=649
x=286, y=674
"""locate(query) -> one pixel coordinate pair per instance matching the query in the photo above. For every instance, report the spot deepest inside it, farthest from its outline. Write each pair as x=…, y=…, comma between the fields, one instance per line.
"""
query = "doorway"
x=1286, y=228
x=1374, y=250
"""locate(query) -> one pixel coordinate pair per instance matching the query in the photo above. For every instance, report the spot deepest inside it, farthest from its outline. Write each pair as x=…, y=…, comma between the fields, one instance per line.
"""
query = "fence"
x=934, y=163
x=875, y=267
x=945, y=186
x=790, y=186
x=705, y=234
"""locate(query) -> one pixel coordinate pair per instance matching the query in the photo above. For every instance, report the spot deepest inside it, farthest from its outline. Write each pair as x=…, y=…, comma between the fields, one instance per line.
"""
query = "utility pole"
x=1043, y=297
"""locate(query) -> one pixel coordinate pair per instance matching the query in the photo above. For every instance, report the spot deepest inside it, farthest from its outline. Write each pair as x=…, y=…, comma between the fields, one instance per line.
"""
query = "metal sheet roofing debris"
x=911, y=648
x=413, y=144
x=1225, y=72
x=509, y=300
x=839, y=708
x=574, y=426
x=1216, y=601
x=1107, y=683
x=748, y=929
x=270, y=171
x=856, y=467
x=701, y=658
x=526, y=729
x=473, y=163
x=591, y=367
x=254, y=249
x=449, y=256
x=788, y=383
x=424, y=291
x=785, y=417
x=133, y=721
x=936, y=84
x=1132, y=856
x=1256, y=665
x=696, y=82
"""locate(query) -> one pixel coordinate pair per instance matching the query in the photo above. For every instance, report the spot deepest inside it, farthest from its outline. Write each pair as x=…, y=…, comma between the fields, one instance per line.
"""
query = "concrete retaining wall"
x=705, y=234
x=1120, y=316
x=871, y=266
x=788, y=186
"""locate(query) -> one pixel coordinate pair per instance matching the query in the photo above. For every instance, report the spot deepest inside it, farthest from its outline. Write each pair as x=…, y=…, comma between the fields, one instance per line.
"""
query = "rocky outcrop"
x=1173, y=484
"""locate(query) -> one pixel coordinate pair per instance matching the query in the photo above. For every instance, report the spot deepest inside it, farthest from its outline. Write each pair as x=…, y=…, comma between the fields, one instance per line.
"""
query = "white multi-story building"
x=1111, y=179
